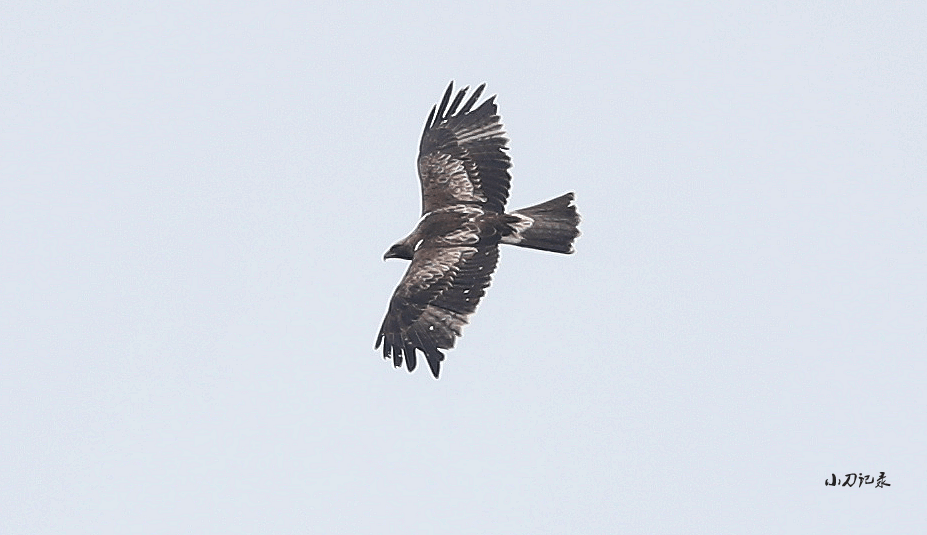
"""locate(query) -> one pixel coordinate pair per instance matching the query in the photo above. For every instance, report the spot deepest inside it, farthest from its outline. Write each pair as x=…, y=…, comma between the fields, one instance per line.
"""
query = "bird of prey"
x=463, y=168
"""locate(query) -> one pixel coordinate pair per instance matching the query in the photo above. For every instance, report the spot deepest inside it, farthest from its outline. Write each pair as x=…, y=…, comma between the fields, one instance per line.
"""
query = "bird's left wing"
x=433, y=301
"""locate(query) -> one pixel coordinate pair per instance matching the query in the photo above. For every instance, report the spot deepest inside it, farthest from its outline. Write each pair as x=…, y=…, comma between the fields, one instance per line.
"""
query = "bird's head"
x=401, y=250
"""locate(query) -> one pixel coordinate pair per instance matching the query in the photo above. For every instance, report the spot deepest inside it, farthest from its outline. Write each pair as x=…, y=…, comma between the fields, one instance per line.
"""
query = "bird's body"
x=463, y=170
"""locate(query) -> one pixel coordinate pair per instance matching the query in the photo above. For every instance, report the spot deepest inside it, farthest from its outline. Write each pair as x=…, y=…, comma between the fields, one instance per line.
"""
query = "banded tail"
x=549, y=226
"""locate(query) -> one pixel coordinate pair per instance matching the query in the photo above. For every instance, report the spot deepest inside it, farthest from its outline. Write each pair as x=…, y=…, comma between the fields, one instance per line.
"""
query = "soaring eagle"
x=463, y=170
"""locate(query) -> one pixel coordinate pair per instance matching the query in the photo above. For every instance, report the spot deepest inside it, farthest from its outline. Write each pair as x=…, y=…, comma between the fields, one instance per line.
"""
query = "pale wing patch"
x=480, y=132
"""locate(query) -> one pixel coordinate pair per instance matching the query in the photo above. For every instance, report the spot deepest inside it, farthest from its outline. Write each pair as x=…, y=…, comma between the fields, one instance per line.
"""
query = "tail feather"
x=549, y=226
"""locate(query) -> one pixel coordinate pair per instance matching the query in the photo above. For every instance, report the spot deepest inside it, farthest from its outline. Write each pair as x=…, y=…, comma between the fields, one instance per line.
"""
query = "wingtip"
x=410, y=358
x=431, y=117
x=473, y=98
x=444, y=100
x=434, y=362
x=457, y=100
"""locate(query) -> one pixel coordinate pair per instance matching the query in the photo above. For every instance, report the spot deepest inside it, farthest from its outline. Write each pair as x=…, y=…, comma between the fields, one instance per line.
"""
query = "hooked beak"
x=399, y=251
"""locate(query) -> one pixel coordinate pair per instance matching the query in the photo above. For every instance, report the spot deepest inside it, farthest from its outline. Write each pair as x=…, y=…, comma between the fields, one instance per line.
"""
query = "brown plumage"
x=463, y=169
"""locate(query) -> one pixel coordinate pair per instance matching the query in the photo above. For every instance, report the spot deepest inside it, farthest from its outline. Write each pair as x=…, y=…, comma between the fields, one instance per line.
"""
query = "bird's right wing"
x=462, y=158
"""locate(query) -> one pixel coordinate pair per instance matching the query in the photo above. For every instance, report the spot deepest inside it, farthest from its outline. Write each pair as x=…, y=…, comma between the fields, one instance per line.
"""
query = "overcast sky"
x=195, y=198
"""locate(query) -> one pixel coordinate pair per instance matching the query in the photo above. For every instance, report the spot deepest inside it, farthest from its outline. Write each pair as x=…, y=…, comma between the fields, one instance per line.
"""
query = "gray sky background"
x=196, y=196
